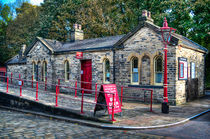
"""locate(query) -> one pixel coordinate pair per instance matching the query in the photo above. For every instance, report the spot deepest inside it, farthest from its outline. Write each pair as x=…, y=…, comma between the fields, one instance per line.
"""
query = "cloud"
x=36, y=2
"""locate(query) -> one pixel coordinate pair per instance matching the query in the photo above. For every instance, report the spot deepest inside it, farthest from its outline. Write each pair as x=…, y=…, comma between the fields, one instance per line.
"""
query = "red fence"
x=29, y=85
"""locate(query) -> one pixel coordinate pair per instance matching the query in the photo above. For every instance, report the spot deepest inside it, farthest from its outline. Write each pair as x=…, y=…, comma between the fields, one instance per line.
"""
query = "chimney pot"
x=144, y=13
x=75, y=26
x=148, y=14
x=80, y=27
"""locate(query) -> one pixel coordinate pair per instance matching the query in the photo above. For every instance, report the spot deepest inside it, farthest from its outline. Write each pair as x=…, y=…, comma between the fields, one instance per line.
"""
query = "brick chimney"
x=77, y=33
x=146, y=16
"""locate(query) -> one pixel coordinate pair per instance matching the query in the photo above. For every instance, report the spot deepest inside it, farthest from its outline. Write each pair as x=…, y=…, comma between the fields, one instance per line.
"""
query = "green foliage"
x=5, y=18
x=22, y=29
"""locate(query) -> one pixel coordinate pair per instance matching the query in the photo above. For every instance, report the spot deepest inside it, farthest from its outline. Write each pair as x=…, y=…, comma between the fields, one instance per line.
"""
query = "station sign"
x=79, y=55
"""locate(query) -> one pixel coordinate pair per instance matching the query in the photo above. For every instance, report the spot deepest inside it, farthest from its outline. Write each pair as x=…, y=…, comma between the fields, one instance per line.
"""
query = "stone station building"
x=135, y=60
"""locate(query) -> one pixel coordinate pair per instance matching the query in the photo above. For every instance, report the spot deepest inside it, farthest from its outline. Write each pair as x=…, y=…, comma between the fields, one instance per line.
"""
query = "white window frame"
x=104, y=70
x=132, y=59
x=66, y=73
x=155, y=64
x=44, y=70
x=33, y=70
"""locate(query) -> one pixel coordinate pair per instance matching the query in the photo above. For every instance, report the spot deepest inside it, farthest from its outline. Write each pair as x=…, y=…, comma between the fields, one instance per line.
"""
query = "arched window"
x=44, y=71
x=33, y=71
x=106, y=70
x=67, y=70
x=158, y=69
x=134, y=71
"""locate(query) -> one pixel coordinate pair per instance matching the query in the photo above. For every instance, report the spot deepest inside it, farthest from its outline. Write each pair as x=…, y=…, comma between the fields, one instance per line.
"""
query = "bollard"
x=75, y=89
x=113, y=109
x=45, y=88
x=121, y=95
x=82, y=102
x=32, y=82
x=56, y=97
x=151, y=101
x=7, y=84
x=96, y=92
x=11, y=77
x=37, y=91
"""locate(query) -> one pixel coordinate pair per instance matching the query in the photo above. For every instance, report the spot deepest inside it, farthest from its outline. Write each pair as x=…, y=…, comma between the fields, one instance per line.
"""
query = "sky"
x=34, y=2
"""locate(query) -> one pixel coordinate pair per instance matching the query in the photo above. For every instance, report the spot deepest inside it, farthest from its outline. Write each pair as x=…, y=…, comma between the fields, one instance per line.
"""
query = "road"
x=19, y=125
x=198, y=128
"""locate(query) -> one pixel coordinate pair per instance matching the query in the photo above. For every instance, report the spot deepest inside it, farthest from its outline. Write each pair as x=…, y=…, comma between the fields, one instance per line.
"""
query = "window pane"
x=182, y=70
x=107, y=70
x=159, y=64
x=158, y=70
x=159, y=77
x=67, y=70
x=135, y=77
x=135, y=74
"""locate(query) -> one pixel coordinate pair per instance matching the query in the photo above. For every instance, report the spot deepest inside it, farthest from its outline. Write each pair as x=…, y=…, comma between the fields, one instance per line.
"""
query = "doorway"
x=86, y=75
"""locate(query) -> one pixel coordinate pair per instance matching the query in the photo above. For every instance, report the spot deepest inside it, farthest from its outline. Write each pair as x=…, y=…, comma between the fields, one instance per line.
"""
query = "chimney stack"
x=21, y=53
x=77, y=33
x=146, y=16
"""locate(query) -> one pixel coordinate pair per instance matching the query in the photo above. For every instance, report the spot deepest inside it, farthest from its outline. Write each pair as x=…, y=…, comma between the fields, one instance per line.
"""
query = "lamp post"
x=166, y=36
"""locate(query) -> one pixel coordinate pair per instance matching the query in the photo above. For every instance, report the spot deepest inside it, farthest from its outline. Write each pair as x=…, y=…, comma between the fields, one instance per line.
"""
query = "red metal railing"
x=75, y=88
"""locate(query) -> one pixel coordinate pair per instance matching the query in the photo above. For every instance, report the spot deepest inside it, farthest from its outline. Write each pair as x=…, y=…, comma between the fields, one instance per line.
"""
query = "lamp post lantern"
x=166, y=36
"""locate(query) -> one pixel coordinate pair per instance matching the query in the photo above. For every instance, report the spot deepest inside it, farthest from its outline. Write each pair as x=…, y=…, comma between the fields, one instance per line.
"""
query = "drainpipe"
x=113, y=50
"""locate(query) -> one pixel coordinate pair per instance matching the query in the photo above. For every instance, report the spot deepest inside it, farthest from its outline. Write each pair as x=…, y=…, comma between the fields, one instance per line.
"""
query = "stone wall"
x=146, y=45
x=198, y=59
x=75, y=67
x=16, y=70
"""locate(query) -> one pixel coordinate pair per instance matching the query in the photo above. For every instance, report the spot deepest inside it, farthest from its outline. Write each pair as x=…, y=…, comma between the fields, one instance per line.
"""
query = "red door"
x=86, y=75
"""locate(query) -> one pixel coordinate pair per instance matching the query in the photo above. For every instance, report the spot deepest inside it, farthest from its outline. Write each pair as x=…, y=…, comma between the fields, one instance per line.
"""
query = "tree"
x=22, y=29
x=5, y=18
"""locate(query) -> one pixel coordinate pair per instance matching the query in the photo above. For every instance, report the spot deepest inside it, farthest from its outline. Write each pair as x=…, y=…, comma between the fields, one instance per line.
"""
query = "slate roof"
x=15, y=60
x=190, y=43
x=87, y=44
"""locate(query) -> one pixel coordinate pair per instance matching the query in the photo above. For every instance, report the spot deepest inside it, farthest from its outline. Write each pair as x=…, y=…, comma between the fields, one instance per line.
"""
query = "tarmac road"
x=198, y=128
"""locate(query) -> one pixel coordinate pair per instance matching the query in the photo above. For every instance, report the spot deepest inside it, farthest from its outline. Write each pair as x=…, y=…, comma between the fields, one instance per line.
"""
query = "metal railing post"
x=56, y=97
x=113, y=109
x=7, y=84
x=96, y=92
x=82, y=102
x=151, y=101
